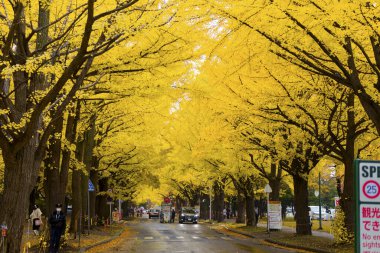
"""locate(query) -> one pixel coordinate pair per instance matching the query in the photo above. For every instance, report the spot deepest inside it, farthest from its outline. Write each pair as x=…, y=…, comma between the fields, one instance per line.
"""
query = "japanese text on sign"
x=367, y=232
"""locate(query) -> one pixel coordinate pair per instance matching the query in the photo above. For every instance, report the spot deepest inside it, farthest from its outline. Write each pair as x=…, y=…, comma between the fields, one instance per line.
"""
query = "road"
x=153, y=237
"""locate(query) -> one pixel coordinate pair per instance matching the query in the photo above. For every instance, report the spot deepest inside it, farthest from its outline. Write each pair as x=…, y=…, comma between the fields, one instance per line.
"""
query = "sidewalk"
x=319, y=241
x=98, y=235
x=289, y=229
x=293, y=231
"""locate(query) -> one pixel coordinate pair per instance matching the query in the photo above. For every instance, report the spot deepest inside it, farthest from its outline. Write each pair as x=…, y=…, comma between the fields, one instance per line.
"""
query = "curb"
x=238, y=232
x=295, y=246
x=279, y=243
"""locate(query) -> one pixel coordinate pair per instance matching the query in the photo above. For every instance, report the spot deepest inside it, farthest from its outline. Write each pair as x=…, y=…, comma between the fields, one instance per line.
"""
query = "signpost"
x=268, y=190
x=91, y=188
x=336, y=201
x=166, y=212
x=367, y=224
x=274, y=215
x=167, y=200
x=110, y=202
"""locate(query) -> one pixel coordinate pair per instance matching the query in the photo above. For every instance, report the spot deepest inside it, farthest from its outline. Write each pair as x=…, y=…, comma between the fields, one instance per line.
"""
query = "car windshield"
x=188, y=211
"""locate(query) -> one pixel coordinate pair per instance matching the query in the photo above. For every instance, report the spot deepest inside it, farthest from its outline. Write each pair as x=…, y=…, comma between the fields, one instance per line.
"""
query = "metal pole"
x=268, y=221
x=210, y=204
x=119, y=210
x=88, y=204
x=110, y=214
x=320, y=208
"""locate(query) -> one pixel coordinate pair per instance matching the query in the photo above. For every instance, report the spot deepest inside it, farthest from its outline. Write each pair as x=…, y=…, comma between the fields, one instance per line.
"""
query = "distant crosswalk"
x=180, y=238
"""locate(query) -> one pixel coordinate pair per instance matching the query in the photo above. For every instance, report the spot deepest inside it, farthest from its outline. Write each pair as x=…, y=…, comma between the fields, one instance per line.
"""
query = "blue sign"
x=91, y=187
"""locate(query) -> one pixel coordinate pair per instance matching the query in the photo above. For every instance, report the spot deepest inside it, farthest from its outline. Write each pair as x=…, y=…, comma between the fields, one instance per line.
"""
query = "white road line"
x=179, y=237
x=148, y=238
x=195, y=237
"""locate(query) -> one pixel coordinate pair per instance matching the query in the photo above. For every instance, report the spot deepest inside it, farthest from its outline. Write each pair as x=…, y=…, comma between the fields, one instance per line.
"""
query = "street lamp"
x=268, y=190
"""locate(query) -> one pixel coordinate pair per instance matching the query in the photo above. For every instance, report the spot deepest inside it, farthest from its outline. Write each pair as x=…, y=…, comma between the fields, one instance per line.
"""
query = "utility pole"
x=319, y=196
x=210, y=204
x=268, y=190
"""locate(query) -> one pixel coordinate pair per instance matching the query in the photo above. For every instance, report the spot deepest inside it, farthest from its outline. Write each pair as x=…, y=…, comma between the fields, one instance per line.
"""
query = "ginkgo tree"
x=334, y=39
x=48, y=49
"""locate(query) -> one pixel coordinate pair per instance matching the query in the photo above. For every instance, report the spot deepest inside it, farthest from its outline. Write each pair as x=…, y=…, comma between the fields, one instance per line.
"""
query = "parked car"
x=330, y=214
x=188, y=215
x=315, y=212
x=154, y=212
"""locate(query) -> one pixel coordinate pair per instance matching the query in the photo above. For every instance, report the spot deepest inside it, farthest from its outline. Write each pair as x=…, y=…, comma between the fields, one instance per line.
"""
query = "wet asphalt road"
x=151, y=236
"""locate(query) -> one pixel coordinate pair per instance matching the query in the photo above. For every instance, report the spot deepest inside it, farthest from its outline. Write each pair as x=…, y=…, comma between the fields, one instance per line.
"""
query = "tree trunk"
x=250, y=210
x=76, y=192
x=101, y=200
x=89, y=142
x=70, y=134
x=218, y=201
x=52, y=171
x=20, y=176
x=32, y=199
x=240, y=208
x=178, y=203
x=275, y=178
x=21, y=166
x=204, y=206
x=347, y=200
x=301, y=201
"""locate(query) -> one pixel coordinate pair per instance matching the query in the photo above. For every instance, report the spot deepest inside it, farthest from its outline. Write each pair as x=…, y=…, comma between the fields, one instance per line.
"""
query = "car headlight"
x=196, y=216
x=182, y=215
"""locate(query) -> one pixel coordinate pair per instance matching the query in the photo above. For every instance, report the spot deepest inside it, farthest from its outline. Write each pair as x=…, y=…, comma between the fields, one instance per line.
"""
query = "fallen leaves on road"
x=112, y=244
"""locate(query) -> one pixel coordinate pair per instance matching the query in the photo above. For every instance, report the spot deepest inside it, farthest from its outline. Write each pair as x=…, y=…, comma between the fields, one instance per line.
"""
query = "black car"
x=188, y=215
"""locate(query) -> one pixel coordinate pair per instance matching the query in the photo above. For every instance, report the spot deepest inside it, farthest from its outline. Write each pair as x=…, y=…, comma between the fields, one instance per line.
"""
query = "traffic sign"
x=367, y=225
x=336, y=201
x=91, y=187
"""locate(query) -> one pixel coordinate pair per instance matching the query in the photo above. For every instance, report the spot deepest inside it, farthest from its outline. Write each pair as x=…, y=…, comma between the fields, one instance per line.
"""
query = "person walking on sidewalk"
x=173, y=215
x=57, y=227
x=35, y=216
x=256, y=215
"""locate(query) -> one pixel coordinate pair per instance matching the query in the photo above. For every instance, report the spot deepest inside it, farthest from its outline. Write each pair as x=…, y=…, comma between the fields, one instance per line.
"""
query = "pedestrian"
x=224, y=213
x=310, y=216
x=228, y=212
x=256, y=215
x=57, y=227
x=283, y=212
x=35, y=216
x=173, y=215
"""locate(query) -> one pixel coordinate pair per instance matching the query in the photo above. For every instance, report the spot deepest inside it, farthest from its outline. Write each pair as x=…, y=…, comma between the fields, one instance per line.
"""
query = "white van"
x=315, y=212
